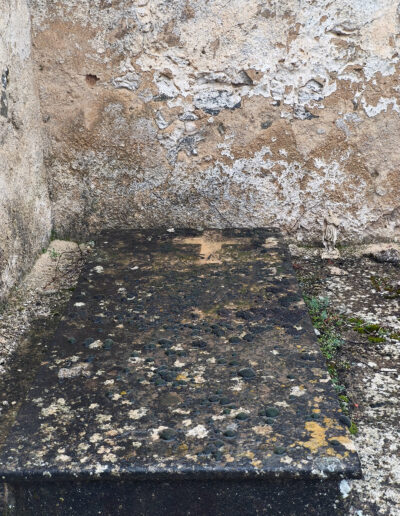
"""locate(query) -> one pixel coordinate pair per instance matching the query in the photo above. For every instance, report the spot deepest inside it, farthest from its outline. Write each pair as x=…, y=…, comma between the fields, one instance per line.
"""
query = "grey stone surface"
x=24, y=201
x=364, y=298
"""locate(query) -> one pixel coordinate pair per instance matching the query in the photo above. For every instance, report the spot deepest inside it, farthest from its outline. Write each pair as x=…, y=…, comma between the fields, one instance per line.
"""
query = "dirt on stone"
x=363, y=296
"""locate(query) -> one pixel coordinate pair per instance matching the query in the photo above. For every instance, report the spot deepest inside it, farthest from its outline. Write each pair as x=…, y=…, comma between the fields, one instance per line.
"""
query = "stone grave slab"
x=184, y=378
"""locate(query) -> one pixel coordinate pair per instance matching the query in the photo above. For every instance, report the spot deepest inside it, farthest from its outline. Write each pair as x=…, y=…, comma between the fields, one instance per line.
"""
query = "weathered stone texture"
x=221, y=113
x=24, y=202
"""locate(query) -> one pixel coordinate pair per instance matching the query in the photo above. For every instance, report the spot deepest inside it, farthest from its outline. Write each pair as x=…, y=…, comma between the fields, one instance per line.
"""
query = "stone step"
x=184, y=378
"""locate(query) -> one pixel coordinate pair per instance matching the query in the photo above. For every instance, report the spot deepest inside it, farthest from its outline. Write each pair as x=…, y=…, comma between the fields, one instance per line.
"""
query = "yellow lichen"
x=317, y=439
x=248, y=454
x=182, y=376
x=318, y=436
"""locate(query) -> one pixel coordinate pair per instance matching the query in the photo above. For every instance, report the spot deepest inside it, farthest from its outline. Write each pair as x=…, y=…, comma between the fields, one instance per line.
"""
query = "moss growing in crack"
x=344, y=403
x=54, y=235
x=356, y=320
x=376, y=282
x=328, y=324
x=375, y=333
x=366, y=327
x=53, y=254
x=384, y=286
x=376, y=339
x=353, y=429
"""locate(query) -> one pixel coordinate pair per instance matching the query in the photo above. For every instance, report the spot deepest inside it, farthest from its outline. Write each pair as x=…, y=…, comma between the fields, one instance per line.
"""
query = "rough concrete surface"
x=30, y=316
x=24, y=201
x=365, y=297
x=168, y=365
x=37, y=297
x=216, y=113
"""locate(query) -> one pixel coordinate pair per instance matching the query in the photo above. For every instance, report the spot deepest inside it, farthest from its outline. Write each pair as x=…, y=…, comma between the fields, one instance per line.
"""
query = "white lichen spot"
x=345, y=488
x=154, y=432
x=198, y=431
x=262, y=430
x=63, y=458
x=55, y=408
x=96, y=344
x=138, y=413
x=100, y=468
x=103, y=418
x=181, y=411
x=236, y=388
x=178, y=363
x=95, y=438
x=73, y=372
x=298, y=390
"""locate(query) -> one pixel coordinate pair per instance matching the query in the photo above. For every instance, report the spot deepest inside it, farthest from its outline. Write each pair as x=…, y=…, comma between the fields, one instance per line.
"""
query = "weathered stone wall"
x=221, y=112
x=24, y=202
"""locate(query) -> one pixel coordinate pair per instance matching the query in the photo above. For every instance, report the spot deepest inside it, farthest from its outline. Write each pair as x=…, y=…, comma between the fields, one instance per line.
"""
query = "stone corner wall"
x=25, y=218
x=215, y=113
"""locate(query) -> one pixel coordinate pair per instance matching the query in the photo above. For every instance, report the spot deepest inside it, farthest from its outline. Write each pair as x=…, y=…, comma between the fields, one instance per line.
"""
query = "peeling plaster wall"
x=24, y=201
x=221, y=113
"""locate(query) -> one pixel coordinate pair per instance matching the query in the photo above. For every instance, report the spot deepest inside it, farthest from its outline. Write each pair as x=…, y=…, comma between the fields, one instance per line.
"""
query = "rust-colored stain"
x=210, y=243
